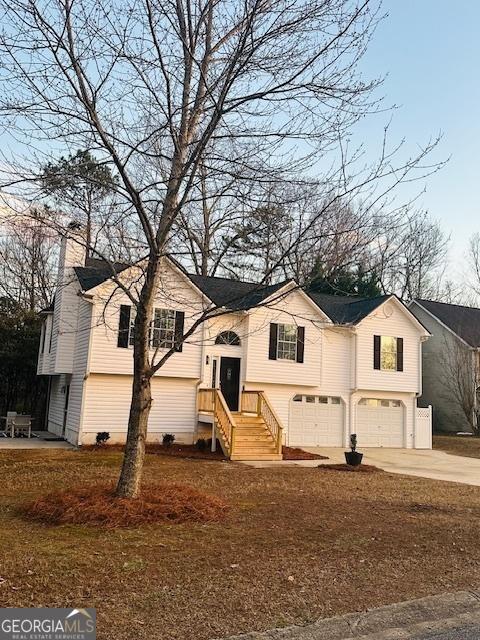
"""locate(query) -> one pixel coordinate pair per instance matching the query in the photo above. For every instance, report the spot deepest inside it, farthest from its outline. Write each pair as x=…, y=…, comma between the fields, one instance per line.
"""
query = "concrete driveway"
x=437, y=465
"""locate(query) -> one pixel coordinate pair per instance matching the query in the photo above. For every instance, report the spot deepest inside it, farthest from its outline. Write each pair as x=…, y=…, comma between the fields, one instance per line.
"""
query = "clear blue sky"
x=430, y=50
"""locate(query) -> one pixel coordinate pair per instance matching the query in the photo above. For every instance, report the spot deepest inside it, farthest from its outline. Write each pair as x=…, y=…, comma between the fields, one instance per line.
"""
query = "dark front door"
x=230, y=381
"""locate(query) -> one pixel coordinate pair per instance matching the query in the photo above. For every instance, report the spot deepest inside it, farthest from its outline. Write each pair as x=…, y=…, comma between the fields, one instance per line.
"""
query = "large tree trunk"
x=131, y=474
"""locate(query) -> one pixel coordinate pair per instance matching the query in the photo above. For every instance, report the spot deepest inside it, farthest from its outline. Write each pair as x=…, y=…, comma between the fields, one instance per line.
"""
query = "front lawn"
x=468, y=446
x=297, y=544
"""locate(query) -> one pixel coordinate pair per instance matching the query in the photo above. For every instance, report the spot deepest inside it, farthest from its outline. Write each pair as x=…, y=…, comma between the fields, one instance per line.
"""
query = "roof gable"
x=462, y=321
x=346, y=309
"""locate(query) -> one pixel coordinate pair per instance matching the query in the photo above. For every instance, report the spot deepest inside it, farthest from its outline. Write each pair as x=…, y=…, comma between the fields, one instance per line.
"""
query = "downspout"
x=90, y=299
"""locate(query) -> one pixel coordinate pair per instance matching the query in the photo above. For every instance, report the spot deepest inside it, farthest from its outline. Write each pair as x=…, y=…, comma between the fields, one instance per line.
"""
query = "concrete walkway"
x=423, y=463
x=33, y=443
x=413, y=620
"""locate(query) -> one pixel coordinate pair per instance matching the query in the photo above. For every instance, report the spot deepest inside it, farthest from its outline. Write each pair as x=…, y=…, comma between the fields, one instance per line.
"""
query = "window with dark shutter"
x=300, y=343
x=272, y=351
x=124, y=326
x=399, y=354
x=376, y=352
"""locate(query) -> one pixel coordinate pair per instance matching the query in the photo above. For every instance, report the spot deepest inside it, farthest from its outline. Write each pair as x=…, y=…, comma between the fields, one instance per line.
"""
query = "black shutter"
x=300, y=343
x=272, y=351
x=124, y=326
x=376, y=352
x=179, y=322
x=399, y=354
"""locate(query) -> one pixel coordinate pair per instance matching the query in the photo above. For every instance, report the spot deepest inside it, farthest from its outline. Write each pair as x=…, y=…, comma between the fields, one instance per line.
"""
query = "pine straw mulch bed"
x=294, y=453
x=360, y=468
x=97, y=505
x=189, y=451
x=298, y=543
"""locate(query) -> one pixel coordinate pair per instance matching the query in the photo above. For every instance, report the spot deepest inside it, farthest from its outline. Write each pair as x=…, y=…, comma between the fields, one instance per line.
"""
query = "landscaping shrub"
x=97, y=505
x=101, y=438
x=168, y=439
x=201, y=444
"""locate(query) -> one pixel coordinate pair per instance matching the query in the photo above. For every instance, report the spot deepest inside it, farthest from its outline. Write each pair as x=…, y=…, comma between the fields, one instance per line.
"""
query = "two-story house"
x=451, y=364
x=278, y=365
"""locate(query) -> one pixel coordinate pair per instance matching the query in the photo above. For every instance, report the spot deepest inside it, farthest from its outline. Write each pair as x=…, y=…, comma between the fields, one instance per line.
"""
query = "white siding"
x=294, y=309
x=57, y=404
x=80, y=364
x=390, y=319
x=337, y=357
x=175, y=293
x=107, y=405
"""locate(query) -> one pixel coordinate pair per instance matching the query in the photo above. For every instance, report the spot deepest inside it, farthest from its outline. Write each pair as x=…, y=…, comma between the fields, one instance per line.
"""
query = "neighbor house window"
x=131, y=328
x=163, y=329
x=388, y=353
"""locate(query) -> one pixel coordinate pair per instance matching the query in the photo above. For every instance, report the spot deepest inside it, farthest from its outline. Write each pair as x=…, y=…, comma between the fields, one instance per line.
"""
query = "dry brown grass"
x=298, y=544
x=359, y=468
x=468, y=446
x=171, y=503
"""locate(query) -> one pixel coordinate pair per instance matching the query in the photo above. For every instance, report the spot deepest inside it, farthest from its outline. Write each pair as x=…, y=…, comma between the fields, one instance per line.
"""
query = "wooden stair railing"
x=212, y=401
x=258, y=403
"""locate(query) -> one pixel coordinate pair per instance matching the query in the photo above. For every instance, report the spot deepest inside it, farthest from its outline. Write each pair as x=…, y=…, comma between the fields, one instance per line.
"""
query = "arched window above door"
x=228, y=337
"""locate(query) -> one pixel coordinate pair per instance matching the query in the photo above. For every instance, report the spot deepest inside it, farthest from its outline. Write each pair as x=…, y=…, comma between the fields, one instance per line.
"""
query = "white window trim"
x=152, y=328
x=395, y=353
x=289, y=342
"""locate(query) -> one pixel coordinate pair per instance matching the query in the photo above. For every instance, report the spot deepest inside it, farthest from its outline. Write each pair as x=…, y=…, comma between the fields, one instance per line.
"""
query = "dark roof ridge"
x=446, y=304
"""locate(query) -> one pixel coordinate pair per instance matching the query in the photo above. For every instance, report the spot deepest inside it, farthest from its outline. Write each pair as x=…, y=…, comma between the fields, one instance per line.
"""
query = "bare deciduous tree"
x=159, y=89
x=461, y=379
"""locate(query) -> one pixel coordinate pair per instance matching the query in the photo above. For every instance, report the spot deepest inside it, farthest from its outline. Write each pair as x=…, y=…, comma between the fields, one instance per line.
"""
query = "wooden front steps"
x=253, y=440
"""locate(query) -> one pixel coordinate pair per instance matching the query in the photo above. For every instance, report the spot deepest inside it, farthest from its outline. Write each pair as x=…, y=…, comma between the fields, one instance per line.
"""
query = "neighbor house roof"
x=238, y=295
x=346, y=309
x=463, y=321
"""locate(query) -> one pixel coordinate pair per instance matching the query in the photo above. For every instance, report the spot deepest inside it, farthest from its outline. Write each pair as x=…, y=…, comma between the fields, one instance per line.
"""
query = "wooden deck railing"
x=212, y=401
x=257, y=402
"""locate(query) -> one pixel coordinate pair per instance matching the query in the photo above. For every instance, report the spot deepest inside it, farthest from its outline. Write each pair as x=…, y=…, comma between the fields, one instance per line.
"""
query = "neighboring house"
x=450, y=363
x=307, y=370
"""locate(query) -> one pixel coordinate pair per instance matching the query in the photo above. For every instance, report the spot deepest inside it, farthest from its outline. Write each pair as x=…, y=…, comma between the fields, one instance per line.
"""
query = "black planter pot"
x=353, y=458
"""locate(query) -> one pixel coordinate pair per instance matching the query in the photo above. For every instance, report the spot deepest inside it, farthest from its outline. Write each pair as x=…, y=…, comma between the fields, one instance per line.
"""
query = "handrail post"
x=214, y=432
x=259, y=403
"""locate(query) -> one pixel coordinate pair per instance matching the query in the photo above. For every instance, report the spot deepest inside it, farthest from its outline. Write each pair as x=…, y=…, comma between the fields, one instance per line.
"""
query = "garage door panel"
x=380, y=426
x=314, y=424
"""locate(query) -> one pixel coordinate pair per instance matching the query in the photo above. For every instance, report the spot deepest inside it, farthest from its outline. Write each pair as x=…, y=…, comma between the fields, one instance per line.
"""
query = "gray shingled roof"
x=96, y=271
x=238, y=295
x=464, y=321
x=234, y=294
x=346, y=309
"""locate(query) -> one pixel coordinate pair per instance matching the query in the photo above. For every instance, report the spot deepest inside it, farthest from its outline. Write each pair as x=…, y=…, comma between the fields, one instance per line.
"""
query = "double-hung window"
x=163, y=329
x=287, y=342
x=388, y=353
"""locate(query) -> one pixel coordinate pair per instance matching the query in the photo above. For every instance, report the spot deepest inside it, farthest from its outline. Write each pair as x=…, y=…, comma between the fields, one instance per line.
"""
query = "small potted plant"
x=353, y=457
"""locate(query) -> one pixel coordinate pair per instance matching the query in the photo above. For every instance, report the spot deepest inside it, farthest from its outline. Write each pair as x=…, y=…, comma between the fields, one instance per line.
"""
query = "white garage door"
x=380, y=423
x=315, y=421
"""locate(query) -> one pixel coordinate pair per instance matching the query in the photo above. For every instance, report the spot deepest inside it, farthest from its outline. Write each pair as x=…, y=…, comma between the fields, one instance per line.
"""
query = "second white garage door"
x=315, y=421
x=380, y=423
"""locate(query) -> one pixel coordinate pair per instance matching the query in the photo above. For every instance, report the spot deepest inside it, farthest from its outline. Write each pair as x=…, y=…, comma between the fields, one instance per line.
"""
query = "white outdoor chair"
x=11, y=415
x=21, y=425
